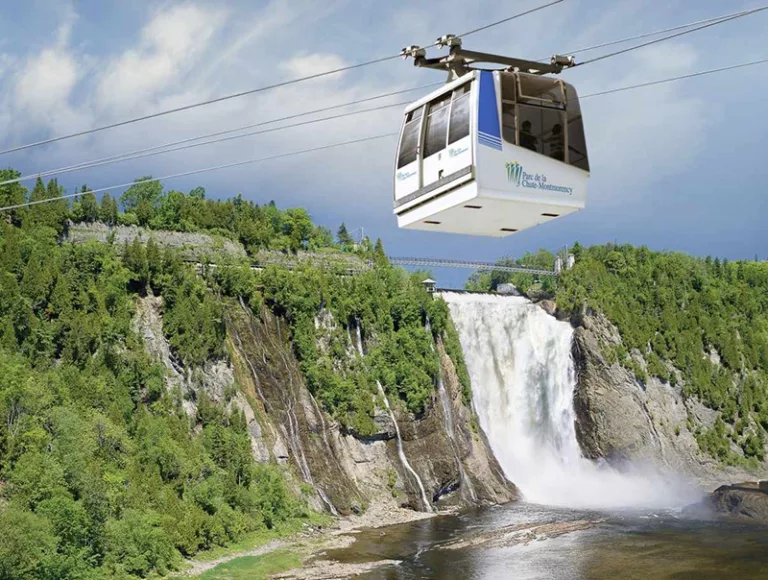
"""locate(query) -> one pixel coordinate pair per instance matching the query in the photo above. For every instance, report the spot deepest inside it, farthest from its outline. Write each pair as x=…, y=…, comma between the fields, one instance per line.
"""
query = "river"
x=646, y=545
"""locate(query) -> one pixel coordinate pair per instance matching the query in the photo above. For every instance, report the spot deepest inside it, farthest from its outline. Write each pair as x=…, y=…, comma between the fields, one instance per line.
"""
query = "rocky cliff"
x=743, y=500
x=622, y=419
x=340, y=471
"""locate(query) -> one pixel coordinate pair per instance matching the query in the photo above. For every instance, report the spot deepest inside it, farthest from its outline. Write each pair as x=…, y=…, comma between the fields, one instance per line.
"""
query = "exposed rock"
x=191, y=245
x=744, y=500
x=259, y=448
x=332, y=570
x=621, y=419
x=517, y=534
x=549, y=307
x=352, y=471
x=509, y=289
x=348, y=473
x=280, y=451
x=302, y=435
x=215, y=377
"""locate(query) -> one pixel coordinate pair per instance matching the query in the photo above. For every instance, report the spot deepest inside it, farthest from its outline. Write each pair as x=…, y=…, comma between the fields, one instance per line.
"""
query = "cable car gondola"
x=492, y=152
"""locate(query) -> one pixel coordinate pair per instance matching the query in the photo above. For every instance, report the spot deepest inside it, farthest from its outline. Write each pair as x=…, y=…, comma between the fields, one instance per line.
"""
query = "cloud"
x=303, y=65
x=46, y=81
x=170, y=45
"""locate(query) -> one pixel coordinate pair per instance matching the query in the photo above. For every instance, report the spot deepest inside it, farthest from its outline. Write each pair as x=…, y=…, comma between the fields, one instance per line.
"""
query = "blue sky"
x=679, y=167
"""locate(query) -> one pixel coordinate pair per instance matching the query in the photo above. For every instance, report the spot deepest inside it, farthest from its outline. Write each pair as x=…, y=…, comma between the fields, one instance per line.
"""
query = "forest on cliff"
x=102, y=472
x=701, y=323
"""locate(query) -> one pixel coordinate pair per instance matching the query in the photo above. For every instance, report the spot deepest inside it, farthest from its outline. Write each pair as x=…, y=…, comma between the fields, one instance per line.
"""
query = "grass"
x=261, y=537
x=253, y=567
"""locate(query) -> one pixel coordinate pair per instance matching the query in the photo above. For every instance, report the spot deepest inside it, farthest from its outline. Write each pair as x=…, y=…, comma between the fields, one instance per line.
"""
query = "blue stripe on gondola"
x=489, y=138
x=490, y=144
x=489, y=141
x=488, y=127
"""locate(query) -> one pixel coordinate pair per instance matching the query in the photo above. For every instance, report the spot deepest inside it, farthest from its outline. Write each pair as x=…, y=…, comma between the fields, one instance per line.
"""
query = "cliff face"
x=340, y=472
x=621, y=419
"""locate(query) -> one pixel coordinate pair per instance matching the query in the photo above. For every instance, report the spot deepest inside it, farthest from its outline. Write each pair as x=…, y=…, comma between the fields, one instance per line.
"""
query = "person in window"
x=508, y=123
x=556, y=143
x=528, y=139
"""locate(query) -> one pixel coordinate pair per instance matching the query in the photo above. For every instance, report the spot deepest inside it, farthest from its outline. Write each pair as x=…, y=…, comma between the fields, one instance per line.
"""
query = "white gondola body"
x=481, y=184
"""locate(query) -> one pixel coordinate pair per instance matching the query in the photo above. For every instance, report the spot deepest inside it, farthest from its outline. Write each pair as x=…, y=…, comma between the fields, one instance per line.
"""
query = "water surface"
x=626, y=545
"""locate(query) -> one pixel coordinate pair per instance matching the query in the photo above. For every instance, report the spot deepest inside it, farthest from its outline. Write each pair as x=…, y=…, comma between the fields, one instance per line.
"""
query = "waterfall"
x=359, y=336
x=446, y=404
x=401, y=452
x=448, y=424
x=523, y=379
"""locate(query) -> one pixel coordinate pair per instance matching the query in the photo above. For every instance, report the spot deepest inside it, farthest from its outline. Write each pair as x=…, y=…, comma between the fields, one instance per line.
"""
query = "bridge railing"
x=469, y=265
x=399, y=261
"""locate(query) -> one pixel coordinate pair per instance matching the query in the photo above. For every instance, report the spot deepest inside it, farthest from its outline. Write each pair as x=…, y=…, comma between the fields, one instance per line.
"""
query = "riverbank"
x=298, y=555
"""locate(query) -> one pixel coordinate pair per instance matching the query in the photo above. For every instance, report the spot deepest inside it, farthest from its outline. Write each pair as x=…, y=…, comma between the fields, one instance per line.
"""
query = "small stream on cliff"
x=645, y=545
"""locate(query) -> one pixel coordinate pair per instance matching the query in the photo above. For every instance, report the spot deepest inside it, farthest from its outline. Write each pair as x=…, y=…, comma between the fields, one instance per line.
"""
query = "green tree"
x=50, y=214
x=26, y=545
x=142, y=189
x=138, y=545
x=108, y=211
x=11, y=194
x=298, y=228
x=345, y=240
x=86, y=209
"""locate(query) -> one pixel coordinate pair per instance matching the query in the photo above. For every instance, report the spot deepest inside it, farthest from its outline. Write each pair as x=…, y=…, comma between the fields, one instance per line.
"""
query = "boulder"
x=742, y=500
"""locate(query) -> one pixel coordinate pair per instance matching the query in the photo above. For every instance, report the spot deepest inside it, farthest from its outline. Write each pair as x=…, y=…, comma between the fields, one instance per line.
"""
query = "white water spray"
x=523, y=378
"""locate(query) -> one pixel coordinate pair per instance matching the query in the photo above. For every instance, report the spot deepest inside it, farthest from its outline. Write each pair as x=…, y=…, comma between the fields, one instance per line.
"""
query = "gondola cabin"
x=490, y=154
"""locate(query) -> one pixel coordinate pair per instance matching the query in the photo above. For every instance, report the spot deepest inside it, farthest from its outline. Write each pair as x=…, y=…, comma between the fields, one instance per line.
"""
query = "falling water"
x=446, y=404
x=523, y=378
x=359, y=336
x=401, y=452
x=448, y=424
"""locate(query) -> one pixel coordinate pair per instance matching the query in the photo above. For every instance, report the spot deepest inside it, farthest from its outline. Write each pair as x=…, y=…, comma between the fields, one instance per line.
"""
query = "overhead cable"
x=204, y=170
x=673, y=79
x=671, y=36
x=258, y=89
x=606, y=92
x=654, y=33
x=169, y=147
x=504, y=20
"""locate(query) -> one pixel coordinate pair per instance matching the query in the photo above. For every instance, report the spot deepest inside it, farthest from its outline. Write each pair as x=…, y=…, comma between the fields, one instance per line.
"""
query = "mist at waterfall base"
x=523, y=379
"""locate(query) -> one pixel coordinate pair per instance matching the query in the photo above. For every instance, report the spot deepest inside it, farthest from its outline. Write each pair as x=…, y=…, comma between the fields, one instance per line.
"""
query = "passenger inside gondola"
x=527, y=138
x=556, y=143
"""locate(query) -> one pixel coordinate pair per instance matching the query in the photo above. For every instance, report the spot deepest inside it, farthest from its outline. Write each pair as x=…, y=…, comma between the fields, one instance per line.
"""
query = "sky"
x=677, y=167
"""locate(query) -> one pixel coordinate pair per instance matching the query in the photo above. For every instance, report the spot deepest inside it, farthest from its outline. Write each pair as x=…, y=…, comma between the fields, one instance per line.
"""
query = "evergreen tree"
x=108, y=211
x=379, y=255
x=144, y=212
x=86, y=209
x=11, y=194
x=345, y=240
